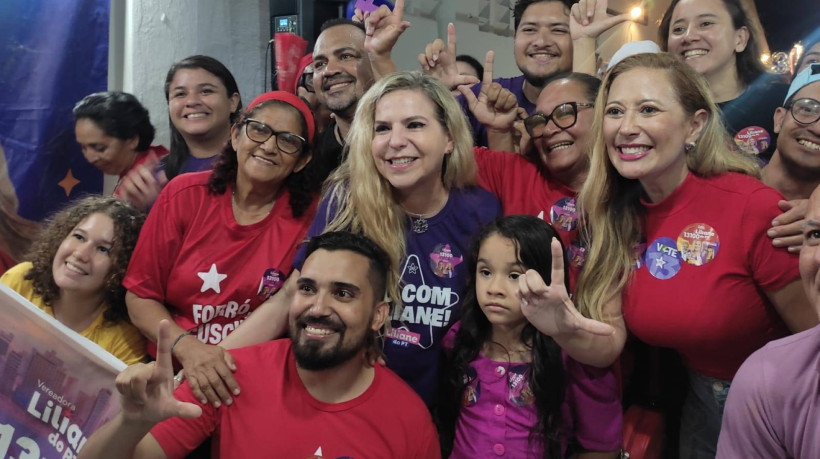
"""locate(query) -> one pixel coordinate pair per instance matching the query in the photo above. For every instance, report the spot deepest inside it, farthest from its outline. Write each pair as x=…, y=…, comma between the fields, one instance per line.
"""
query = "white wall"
x=156, y=33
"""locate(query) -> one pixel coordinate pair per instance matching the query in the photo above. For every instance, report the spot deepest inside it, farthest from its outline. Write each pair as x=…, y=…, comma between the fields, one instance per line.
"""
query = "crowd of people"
x=435, y=262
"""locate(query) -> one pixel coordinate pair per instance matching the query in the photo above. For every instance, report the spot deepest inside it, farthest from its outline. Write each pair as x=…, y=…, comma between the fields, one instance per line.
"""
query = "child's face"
x=496, y=286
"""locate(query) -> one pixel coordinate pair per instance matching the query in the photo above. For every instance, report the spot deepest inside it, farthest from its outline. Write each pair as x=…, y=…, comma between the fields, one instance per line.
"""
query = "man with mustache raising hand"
x=317, y=394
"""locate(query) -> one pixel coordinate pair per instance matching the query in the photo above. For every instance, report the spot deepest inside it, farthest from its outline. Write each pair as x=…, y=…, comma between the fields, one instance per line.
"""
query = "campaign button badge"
x=663, y=259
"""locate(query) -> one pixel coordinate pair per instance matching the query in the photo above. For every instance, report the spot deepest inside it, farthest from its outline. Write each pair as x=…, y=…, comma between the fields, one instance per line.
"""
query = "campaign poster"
x=56, y=387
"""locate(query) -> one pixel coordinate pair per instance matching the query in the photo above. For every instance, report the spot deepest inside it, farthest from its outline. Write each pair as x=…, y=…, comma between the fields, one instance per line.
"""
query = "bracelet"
x=181, y=335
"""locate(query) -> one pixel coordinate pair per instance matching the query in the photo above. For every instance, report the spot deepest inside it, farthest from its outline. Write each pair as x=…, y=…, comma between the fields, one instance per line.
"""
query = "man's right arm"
x=147, y=398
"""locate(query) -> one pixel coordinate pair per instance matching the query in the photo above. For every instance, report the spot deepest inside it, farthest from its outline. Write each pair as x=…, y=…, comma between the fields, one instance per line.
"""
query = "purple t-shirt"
x=433, y=278
x=515, y=85
x=497, y=410
x=773, y=408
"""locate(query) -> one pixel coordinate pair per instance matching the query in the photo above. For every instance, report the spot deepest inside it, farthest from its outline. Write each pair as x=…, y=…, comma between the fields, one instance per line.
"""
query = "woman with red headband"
x=217, y=244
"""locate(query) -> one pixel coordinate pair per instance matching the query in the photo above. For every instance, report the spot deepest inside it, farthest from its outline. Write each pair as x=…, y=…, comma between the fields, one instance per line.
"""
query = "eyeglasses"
x=805, y=111
x=287, y=142
x=564, y=116
x=306, y=81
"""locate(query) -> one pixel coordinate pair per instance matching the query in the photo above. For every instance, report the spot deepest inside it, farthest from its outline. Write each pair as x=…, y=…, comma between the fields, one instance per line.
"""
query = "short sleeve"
x=324, y=215
x=128, y=345
x=595, y=404
x=428, y=444
x=771, y=268
x=176, y=436
x=157, y=248
x=747, y=430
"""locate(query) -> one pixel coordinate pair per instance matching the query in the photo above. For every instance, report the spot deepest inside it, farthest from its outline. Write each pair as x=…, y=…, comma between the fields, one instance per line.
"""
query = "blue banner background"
x=52, y=54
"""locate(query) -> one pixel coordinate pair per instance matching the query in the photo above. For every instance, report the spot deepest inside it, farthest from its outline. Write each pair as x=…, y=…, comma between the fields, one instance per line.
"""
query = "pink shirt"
x=497, y=410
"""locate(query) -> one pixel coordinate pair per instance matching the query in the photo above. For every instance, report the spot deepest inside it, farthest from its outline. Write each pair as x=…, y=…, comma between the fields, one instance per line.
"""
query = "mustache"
x=330, y=81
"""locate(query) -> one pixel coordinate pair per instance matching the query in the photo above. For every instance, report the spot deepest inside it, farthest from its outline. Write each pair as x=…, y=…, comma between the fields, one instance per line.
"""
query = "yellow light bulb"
x=636, y=12
x=764, y=58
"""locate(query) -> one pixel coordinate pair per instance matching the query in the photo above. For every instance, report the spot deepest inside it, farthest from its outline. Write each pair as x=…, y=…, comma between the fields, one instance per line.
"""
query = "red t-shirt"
x=158, y=151
x=524, y=190
x=700, y=288
x=207, y=269
x=275, y=416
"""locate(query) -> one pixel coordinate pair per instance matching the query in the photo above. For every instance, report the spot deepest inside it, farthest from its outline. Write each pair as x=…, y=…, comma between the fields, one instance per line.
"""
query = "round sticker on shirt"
x=443, y=261
x=698, y=244
x=753, y=139
x=576, y=254
x=272, y=281
x=663, y=259
x=563, y=215
x=520, y=391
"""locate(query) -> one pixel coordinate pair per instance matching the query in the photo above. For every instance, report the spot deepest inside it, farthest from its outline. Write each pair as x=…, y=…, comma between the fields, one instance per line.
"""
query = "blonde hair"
x=610, y=204
x=362, y=200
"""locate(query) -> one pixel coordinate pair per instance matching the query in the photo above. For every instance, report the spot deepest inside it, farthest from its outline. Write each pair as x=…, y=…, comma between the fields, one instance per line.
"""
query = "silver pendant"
x=419, y=225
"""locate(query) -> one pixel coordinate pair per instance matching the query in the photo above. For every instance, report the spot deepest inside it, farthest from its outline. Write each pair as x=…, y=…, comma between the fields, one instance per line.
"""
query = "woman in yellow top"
x=75, y=272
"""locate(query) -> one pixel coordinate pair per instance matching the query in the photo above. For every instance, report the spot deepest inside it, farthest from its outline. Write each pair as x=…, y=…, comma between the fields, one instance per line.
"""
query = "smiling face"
x=83, y=260
x=199, y=104
x=409, y=142
x=702, y=35
x=109, y=154
x=810, y=252
x=645, y=129
x=799, y=144
x=334, y=309
x=264, y=163
x=341, y=68
x=496, y=287
x=563, y=151
x=542, y=43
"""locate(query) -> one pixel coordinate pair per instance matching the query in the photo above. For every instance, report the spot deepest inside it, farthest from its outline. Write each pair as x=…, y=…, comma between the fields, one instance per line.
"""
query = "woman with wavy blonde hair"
x=407, y=183
x=663, y=178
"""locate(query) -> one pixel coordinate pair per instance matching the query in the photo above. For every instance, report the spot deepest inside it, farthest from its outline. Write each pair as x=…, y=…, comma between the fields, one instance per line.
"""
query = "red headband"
x=292, y=100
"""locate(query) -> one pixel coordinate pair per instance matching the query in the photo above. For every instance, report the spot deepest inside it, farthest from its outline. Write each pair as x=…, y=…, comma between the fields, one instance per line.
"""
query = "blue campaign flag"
x=52, y=54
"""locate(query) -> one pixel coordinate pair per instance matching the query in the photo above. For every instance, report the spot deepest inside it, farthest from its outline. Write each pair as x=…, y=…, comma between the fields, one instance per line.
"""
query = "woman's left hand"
x=787, y=228
x=208, y=370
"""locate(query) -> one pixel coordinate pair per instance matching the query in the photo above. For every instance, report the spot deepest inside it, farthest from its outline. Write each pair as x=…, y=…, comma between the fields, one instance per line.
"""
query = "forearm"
x=500, y=140
x=146, y=314
x=382, y=65
x=118, y=438
x=595, y=350
x=583, y=56
x=268, y=321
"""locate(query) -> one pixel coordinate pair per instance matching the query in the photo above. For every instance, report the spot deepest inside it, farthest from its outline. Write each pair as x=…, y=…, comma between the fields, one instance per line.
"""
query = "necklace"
x=419, y=221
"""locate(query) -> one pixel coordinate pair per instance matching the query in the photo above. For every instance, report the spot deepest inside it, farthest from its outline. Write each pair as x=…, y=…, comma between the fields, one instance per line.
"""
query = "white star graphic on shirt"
x=659, y=262
x=413, y=268
x=318, y=452
x=211, y=279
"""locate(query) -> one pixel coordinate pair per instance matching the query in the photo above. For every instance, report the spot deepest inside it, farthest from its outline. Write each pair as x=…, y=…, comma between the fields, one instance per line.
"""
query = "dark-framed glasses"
x=564, y=116
x=287, y=142
x=306, y=80
x=805, y=111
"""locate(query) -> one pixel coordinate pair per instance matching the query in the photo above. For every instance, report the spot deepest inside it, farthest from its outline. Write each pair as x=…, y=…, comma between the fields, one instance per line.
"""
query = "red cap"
x=306, y=60
x=292, y=100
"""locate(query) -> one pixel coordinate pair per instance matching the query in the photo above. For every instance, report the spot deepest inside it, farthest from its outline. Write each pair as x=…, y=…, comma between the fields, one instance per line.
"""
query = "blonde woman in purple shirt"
x=507, y=388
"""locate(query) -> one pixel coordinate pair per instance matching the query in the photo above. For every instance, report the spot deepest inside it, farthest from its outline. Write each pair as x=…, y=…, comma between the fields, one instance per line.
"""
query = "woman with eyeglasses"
x=217, y=244
x=544, y=180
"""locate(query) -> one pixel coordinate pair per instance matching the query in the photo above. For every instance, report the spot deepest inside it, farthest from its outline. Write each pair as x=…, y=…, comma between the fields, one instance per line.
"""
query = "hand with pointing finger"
x=589, y=19
x=148, y=389
x=549, y=308
x=383, y=28
x=495, y=107
x=439, y=60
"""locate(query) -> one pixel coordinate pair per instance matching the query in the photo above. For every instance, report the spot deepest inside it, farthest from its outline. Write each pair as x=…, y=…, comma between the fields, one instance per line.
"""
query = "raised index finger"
x=557, y=263
x=451, y=38
x=398, y=10
x=488, y=68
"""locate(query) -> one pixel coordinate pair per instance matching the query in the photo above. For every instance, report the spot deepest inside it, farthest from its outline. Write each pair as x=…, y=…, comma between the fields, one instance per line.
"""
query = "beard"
x=316, y=355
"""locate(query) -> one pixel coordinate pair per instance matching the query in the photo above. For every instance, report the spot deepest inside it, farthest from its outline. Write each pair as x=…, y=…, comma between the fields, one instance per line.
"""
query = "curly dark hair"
x=531, y=237
x=127, y=224
x=302, y=185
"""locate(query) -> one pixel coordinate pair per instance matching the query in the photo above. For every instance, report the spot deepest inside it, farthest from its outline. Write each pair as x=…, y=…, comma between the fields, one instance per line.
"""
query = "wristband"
x=181, y=335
